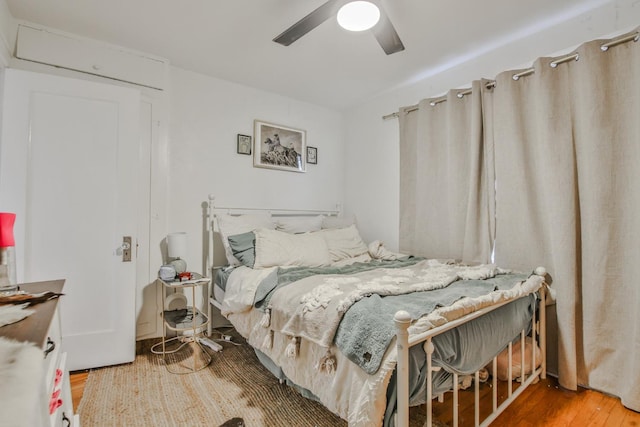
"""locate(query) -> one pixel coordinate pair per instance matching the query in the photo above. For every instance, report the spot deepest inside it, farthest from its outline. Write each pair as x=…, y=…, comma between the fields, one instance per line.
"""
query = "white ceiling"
x=232, y=39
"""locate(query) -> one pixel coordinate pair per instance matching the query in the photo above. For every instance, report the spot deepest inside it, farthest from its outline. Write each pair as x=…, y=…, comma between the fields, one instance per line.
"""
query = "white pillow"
x=277, y=248
x=299, y=224
x=343, y=243
x=230, y=225
x=338, y=221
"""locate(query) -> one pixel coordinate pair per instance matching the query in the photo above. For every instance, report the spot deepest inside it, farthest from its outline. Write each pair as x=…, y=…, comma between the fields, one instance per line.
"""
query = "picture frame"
x=312, y=155
x=279, y=147
x=244, y=144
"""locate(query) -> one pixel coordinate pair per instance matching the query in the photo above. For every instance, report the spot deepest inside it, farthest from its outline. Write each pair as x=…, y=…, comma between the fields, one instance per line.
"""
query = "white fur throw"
x=12, y=313
x=20, y=377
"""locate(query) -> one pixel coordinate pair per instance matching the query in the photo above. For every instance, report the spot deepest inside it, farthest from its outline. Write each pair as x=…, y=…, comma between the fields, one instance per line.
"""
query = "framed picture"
x=244, y=144
x=312, y=155
x=279, y=147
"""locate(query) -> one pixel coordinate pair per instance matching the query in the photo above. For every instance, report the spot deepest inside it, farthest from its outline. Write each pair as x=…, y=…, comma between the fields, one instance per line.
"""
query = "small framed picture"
x=312, y=155
x=244, y=144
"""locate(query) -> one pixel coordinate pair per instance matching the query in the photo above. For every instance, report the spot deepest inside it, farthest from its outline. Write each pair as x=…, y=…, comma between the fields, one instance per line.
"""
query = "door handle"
x=125, y=249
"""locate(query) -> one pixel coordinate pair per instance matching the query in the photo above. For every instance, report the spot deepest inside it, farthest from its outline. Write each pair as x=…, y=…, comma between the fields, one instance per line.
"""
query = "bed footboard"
x=404, y=342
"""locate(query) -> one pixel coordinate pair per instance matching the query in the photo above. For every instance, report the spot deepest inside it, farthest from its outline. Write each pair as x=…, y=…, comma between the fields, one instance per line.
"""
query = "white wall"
x=193, y=154
x=375, y=141
x=7, y=28
x=206, y=114
x=7, y=33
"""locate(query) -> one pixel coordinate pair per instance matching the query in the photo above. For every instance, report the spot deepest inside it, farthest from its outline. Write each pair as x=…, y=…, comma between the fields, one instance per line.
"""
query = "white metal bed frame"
x=404, y=342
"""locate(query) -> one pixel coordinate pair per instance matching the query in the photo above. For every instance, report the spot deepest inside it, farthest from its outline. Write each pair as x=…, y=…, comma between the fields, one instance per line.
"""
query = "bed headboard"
x=215, y=251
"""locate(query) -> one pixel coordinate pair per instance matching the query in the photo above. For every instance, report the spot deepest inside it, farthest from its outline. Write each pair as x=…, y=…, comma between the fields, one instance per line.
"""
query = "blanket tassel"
x=293, y=348
x=268, y=341
x=265, y=322
x=327, y=364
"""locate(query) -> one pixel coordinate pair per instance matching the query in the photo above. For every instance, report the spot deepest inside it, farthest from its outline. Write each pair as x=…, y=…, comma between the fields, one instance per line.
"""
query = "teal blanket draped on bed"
x=367, y=327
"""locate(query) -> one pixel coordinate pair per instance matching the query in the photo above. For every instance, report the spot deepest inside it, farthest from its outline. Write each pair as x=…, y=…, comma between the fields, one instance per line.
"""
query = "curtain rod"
x=436, y=101
x=574, y=56
x=634, y=36
x=552, y=64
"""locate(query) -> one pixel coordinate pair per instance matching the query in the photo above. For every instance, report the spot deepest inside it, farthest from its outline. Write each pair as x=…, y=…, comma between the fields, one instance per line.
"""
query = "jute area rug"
x=235, y=390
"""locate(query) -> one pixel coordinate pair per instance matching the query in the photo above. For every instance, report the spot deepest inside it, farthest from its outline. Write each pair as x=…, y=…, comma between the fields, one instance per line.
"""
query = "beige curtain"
x=408, y=127
x=567, y=163
x=445, y=190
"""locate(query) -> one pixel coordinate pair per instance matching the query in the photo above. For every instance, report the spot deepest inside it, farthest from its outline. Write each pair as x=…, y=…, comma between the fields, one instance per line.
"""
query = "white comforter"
x=348, y=391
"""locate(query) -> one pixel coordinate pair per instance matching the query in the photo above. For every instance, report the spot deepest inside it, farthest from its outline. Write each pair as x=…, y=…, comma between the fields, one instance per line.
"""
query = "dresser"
x=54, y=406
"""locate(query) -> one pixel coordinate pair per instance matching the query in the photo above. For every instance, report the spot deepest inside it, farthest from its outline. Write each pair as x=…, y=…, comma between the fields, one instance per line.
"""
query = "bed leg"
x=209, y=249
x=494, y=381
x=455, y=400
x=522, y=354
x=209, y=325
x=510, y=370
x=429, y=349
x=402, y=320
x=477, y=398
x=543, y=331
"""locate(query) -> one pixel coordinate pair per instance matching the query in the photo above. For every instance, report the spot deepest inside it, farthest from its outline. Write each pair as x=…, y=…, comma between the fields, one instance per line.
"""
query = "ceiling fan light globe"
x=358, y=15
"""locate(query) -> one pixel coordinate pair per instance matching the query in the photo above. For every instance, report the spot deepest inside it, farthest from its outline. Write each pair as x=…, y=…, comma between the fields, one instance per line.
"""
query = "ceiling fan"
x=382, y=30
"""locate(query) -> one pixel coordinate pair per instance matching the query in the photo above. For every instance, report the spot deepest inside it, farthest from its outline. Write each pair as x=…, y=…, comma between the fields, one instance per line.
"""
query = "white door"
x=68, y=168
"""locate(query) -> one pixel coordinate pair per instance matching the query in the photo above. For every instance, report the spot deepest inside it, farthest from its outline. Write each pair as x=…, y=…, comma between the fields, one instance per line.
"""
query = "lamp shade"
x=6, y=229
x=177, y=245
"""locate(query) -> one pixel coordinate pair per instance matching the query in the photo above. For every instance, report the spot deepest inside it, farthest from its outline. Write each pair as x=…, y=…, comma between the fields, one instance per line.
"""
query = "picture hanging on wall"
x=244, y=144
x=312, y=155
x=279, y=147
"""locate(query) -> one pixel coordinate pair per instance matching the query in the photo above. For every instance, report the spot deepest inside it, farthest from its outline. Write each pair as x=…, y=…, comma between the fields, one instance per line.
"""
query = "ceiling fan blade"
x=387, y=35
x=308, y=23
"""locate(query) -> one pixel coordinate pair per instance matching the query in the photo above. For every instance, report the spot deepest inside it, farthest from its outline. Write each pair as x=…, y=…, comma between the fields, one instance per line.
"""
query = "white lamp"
x=358, y=15
x=177, y=248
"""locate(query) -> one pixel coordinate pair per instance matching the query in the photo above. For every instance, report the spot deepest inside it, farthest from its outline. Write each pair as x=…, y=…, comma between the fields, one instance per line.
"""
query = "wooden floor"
x=78, y=379
x=542, y=404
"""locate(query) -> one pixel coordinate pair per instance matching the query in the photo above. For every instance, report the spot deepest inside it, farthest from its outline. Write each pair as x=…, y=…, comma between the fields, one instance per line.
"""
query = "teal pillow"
x=243, y=247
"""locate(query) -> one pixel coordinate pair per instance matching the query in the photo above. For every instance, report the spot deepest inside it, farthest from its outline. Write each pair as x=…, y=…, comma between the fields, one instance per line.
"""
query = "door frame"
x=156, y=193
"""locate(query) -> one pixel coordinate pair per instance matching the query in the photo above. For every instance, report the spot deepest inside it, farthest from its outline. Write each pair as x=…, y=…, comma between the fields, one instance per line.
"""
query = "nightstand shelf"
x=182, y=320
x=189, y=323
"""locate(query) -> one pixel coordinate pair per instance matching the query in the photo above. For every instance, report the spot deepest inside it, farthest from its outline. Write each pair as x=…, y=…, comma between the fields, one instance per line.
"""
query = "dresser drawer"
x=60, y=403
x=52, y=351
